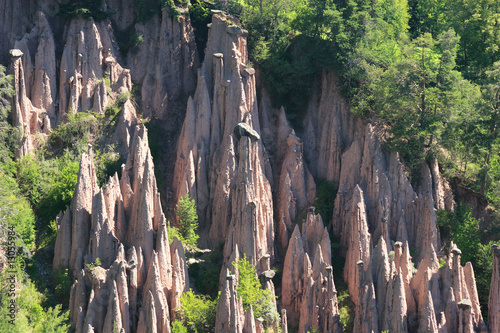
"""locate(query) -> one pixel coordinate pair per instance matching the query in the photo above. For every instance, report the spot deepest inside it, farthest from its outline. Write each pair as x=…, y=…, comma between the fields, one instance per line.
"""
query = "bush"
x=30, y=316
x=198, y=313
x=178, y=327
x=206, y=273
x=15, y=211
x=58, y=181
x=73, y=135
x=187, y=219
x=62, y=281
x=249, y=289
x=107, y=163
x=86, y=8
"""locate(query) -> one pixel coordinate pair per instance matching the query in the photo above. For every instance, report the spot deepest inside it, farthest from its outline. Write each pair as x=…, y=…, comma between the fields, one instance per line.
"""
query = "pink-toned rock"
x=327, y=132
x=180, y=278
x=164, y=64
x=382, y=276
x=293, y=271
x=249, y=321
x=296, y=189
x=366, y=305
x=358, y=241
x=470, y=283
x=308, y=290
x=62, y=248
x=78, y=302
x=494, y=301
x=154, y=288
x=428, y=321
x=230, y=317
x=442, y=192
x=396, y=317
x=251, y=227
x=81, y=209
x=113, y=320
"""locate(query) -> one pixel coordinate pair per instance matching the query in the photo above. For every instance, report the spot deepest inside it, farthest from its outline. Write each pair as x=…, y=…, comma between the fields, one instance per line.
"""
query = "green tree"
x=9, y=136
x=418, y=95
x=187, y=219
x=251, y=293
x=491, y=121
x=198, y=312
x=475, y=21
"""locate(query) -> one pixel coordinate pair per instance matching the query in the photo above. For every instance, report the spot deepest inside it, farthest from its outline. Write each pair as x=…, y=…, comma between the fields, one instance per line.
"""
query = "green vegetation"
x=249, y=289
x=198, y=313
x=94, y=264
x=200, y=15
x=325, y=198
x=428, y=70
x=345, y=304
x=41, y=186
x=463, y=229
x=9, y=136
x=86, y=8
x=206, y=272
x=187, y=219
x=17, y=223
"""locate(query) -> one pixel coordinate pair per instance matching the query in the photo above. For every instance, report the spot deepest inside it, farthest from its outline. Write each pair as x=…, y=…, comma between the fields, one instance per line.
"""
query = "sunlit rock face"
x=140, y=276
x=244, y=165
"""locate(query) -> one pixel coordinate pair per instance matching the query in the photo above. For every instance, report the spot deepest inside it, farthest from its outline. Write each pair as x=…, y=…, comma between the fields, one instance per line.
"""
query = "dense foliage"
x=197, y=313
x=17, y=292
x=187, y=219
x=85, y=8
x=252, y=294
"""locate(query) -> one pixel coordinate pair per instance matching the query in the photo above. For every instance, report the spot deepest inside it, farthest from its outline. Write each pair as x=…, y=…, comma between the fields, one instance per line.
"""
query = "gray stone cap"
x=16, y=53
x=243, y=129
x=496, y=250
x=465, y=304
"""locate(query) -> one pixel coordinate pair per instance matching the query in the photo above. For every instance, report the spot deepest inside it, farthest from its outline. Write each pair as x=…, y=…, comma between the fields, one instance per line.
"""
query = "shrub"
x=107, y=163
x=249, y=289
x=30, y=316
x=187, y=219
x=198, y=313
x=178, y=327
x=75, y=133
x=62, y=281
x=15, y=211
x=86, y=8
x=206, y=272
x=57, y=185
